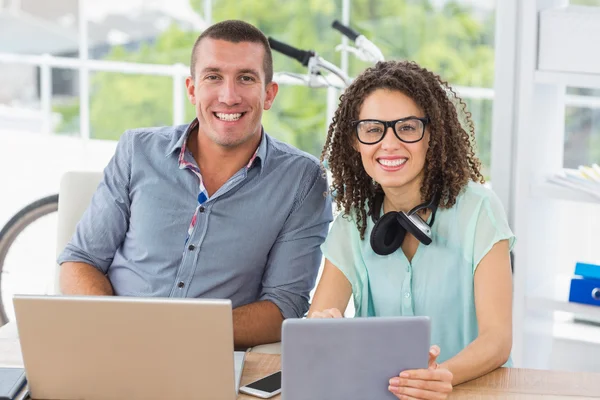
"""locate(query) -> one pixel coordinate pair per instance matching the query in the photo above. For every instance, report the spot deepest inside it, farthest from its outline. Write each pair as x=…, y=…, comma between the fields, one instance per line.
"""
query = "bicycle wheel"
x=15, y=226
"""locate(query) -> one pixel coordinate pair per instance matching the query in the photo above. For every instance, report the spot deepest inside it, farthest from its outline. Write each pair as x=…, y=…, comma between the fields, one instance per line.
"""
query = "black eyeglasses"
x=407, y=130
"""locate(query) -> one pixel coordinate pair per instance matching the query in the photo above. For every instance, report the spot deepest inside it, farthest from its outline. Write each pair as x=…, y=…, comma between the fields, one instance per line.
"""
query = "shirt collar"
x=182, y=133
x=261, y=153
x=180, y=137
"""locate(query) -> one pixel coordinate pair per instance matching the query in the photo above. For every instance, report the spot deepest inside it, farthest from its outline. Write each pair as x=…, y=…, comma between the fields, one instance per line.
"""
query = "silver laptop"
x=92, y=347
x=350, y=358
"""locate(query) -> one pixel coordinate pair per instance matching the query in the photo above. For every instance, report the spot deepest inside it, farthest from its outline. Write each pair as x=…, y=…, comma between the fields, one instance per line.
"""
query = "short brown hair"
x=450, y=161
x=236, y=31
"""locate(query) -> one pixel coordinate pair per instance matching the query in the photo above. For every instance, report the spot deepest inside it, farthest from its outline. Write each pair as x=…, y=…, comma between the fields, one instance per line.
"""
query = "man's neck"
x=217, y=163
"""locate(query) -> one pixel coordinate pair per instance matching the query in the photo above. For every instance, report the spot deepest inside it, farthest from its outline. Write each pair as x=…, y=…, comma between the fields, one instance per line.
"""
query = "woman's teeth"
x=392, y=163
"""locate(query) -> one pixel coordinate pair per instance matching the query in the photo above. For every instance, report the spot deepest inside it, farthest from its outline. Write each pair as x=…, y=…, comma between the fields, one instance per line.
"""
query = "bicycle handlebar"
x=365, y=49
x=345, y=30
x=303, y=56
x=315, y=65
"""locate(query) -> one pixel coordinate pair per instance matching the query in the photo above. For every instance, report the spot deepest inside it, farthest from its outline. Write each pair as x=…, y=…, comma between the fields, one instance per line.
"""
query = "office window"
x=34, y=27
x=126, y=101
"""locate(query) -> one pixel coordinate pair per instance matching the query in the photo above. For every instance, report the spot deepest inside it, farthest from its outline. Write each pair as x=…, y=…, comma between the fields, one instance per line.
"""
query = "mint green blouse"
x=438, y=282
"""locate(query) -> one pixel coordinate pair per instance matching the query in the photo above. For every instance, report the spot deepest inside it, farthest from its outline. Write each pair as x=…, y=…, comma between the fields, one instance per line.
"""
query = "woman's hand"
x=431, y=383
x=329, y=313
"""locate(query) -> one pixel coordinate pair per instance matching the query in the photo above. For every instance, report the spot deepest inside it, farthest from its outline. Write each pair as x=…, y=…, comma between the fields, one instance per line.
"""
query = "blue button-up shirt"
x=256, y=238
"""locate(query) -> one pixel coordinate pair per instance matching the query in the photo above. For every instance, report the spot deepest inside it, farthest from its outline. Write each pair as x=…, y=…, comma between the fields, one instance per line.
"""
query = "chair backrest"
x=74, y=196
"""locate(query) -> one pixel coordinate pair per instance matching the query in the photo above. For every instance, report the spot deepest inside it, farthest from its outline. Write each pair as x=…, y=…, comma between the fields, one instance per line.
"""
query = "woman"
x=396, y=142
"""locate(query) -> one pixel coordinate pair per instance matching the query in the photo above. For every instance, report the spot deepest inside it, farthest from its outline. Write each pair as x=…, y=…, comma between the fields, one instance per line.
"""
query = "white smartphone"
x=265, y=387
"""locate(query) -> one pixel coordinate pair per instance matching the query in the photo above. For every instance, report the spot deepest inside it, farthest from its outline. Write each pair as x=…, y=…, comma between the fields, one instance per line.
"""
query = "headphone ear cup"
x=410, y=227
x=387, y=234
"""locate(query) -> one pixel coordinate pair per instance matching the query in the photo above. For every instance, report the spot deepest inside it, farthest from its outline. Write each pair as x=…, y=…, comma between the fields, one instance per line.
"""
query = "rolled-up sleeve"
x=294, y=260
x=103, y=226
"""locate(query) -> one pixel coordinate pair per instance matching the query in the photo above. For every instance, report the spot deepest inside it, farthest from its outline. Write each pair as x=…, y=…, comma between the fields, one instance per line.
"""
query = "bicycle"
x=15, y=226
x=316, y=66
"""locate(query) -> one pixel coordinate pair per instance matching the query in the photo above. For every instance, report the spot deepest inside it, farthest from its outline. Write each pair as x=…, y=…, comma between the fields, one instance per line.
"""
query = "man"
x=214, y=209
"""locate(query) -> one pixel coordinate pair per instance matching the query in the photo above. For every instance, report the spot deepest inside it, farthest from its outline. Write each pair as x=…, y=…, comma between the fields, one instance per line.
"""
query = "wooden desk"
x=505, y=383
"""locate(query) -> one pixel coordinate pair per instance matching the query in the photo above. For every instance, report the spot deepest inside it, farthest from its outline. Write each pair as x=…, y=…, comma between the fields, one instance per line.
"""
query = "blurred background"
x=75, y=74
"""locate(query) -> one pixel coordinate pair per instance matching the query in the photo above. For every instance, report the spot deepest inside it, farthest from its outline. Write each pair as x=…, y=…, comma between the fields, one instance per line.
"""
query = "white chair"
x=74, y=196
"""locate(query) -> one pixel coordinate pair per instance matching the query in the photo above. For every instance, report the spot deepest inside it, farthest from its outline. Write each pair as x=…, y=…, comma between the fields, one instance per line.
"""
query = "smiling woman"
x=418, y=230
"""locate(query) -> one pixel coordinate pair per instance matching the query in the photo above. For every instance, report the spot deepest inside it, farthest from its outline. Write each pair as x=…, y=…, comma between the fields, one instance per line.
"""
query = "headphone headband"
x=378, y=203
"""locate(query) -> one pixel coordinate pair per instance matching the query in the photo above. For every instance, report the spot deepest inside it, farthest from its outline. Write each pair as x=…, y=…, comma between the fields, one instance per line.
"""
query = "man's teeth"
x=228, y=117
x=392, y=163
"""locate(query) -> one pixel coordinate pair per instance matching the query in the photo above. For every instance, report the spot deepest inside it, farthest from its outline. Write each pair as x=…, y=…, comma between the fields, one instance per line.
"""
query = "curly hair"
x=450, y=161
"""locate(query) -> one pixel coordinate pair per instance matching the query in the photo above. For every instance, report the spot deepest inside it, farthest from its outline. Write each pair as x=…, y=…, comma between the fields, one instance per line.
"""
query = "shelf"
x=572, y=79
x=566, y=329
x=556, y=192
x=556, y=298
x=563, y=327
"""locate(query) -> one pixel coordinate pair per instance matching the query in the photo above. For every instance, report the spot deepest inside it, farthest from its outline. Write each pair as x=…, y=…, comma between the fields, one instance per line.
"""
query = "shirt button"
x=407, y=295
x=180, y=284
x=191, y=247
x=201, y=209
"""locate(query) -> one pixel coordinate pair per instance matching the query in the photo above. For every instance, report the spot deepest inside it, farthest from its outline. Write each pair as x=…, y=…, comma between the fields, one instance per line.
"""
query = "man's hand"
x=433, y=383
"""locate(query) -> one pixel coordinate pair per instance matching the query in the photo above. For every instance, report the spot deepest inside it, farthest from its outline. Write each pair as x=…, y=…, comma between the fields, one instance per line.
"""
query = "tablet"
x=350, y=358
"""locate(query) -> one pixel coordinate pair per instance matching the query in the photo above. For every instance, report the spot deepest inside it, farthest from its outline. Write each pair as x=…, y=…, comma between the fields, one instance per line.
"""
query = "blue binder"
x=585, y=290
x=587, y=270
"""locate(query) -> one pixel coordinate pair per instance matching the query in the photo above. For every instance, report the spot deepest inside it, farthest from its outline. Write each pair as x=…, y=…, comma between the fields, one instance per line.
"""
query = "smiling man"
x=213, y=209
